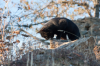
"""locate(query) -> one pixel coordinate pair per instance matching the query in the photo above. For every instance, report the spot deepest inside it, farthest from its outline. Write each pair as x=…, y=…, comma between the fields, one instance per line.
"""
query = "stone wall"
x=81, y=52
x=88, y=26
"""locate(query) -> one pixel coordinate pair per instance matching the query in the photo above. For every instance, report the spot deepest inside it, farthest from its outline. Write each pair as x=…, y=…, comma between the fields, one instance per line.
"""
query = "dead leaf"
x=1, y=55
x=6, y=49
x=17, y=41
x=17, y=32
x=19, y=19
x=2, y=45
x=28, y=7
x=42, y=23
x=26, y=3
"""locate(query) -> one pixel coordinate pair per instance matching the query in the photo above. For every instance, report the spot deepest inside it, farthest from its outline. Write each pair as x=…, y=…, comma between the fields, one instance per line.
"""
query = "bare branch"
x=84, y=4
x=88, y=11
x=43, y=41
x=31, y=24
x=79, y=4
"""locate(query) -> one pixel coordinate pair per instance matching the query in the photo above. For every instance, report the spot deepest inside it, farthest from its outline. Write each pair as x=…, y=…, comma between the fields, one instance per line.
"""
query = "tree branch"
x=85, y=5
x=79, y=4
x=43, y=41
x=88, y=11
x=31, y=24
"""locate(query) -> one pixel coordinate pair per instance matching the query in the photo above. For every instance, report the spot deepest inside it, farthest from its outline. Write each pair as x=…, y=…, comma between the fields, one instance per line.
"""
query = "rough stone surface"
x=89, y=26
x=81, y=52
x=84, y=45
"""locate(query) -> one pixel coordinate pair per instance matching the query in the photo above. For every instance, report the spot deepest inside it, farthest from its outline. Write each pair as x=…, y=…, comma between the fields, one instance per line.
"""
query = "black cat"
x=61, y=27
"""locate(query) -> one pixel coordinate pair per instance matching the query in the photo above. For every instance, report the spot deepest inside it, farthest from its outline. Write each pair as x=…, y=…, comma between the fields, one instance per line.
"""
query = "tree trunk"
x=96, y=6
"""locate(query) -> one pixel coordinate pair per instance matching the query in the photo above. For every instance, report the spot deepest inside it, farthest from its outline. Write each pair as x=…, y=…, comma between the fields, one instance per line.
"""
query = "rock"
x=96, y=31
x=92, y=25
x=87, y=26
x=84, y=32
x=97, y=39
x=84, y=46
x=99, y=42
x=55, y=43
x=82, y=52
x=97, y=53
